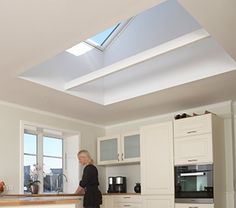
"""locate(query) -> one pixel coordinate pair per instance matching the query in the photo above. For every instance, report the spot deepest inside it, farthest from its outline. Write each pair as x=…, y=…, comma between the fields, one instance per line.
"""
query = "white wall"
x=131, y=172
x=223, y=110
x=10, y=117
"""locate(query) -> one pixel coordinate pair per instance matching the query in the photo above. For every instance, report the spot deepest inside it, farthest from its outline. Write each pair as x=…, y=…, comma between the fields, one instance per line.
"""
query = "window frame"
x=116, y=31
x=39, y=153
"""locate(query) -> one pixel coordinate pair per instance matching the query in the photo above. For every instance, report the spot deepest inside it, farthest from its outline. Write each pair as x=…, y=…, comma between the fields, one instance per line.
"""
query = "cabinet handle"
x=118, y=157
x=191, y=132
x=122, y=156
x=193, y=160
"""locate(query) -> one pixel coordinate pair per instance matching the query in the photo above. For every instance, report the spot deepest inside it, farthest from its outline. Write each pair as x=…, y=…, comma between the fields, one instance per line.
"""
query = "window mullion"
x=40, y=158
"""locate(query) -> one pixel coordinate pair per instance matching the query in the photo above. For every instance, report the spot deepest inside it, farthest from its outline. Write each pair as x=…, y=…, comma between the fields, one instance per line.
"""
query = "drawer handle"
x=126, y=205
x=191, y=132
x=192, y=207
x=193, y=160
x=127, y=197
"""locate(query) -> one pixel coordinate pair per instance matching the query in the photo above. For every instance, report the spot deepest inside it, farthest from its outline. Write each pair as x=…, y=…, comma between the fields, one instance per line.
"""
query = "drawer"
x=128, y=199
x=127, y=205
x=194, y=205
x=193, y=126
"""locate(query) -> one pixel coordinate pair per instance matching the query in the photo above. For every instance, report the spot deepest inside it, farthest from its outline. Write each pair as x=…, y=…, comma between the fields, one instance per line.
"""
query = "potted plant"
x=33, y=186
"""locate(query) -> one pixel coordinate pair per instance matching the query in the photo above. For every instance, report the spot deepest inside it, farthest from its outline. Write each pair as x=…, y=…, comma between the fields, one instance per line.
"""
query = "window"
x=100, y=38
x=43, y=160
x=99, y=41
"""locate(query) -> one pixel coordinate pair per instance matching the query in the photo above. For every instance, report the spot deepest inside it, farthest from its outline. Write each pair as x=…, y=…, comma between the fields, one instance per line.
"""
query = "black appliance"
x=194, y=184
x=117, y=184
x=111, y=184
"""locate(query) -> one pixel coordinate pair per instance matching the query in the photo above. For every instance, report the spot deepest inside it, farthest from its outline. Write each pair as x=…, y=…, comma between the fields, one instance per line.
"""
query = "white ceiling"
x=32, y=32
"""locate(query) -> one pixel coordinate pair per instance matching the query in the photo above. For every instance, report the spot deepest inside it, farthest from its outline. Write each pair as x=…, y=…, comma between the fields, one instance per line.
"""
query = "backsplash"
x=131, y=172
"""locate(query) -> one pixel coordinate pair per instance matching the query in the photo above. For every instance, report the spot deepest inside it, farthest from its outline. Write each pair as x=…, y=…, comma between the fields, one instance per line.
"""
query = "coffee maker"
x=117, y=184
x=120, y=184
x=111, y=184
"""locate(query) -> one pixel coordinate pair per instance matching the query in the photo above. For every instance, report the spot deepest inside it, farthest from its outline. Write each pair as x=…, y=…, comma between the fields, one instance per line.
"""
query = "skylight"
x=101, y=38
x=99, y=41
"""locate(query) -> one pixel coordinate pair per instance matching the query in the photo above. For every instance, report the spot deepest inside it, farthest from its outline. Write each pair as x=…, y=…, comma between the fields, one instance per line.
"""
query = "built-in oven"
x=194, y=184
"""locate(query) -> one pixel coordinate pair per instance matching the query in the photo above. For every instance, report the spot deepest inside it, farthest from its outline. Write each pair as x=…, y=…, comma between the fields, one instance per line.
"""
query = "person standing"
x=89, y=182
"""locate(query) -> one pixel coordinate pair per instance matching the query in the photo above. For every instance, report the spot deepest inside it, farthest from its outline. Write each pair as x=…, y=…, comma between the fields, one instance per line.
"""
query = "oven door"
x=194, y=182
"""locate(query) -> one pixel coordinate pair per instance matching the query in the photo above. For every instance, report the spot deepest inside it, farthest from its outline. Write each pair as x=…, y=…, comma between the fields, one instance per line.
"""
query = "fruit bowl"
x=2, y=186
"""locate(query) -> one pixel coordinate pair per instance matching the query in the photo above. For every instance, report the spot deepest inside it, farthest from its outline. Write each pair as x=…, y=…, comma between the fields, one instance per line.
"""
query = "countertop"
x=18, y=200
x=131, y=193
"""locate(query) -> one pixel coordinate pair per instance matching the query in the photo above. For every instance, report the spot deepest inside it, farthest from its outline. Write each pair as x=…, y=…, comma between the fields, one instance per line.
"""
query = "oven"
x=194, y=184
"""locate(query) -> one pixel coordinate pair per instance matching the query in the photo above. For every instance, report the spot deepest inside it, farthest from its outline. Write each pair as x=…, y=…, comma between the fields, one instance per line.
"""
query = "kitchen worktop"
x=19, y=200
x=122, y=193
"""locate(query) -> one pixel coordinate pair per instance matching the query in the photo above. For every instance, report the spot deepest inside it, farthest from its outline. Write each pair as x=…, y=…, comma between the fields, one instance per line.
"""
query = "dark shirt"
x=93, y=196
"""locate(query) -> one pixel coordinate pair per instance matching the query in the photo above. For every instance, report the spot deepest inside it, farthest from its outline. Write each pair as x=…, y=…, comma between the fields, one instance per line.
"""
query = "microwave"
x=194, y=184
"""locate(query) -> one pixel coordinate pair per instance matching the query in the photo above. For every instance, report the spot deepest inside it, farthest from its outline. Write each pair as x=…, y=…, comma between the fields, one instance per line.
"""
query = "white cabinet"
x=193, y=125
x=107, y=201
x=127, y=201
x=130, y=147
x=193, y=140
x=157, y=167
x=118, y=149
x=158, y=201
x=193, y=149
x=194, y=205
x=108, y=150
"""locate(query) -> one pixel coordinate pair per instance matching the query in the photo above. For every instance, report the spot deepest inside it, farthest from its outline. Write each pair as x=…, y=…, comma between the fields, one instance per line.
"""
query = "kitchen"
x=119, y=126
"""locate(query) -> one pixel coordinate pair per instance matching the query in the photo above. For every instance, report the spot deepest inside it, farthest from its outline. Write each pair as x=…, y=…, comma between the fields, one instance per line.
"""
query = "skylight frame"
x=116, y=31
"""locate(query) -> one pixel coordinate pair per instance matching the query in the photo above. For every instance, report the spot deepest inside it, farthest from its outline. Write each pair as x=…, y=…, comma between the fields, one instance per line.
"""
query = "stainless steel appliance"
x=120, y=184
x=194, y=184
x=117, y=184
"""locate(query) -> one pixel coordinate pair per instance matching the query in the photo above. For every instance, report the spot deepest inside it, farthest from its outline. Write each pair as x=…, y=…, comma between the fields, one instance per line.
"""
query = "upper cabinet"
x=130, y=146
x=108, y=150
x=157, y=166
x=193, y=140
x=193, y=126
x=118, y=149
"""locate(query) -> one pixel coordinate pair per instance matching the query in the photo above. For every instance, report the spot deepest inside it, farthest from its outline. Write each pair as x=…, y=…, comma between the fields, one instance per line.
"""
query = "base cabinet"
x=194, y=205
x=158, y=201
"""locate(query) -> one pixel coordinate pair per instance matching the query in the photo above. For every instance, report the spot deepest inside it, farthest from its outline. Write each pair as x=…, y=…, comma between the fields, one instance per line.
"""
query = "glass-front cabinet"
x=116, y=149
x=130, y=144
x=108, y=150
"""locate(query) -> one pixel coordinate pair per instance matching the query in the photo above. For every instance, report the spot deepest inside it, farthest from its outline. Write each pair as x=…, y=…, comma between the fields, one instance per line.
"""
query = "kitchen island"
x=44, y=201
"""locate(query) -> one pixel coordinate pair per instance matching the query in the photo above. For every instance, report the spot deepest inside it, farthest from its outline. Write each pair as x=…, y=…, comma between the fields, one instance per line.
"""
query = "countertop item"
x=19, y=200
x=121, y=193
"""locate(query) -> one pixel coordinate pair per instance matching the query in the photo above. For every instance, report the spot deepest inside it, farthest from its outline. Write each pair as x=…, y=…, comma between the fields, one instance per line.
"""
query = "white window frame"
x=117, y=30
x=39, y=152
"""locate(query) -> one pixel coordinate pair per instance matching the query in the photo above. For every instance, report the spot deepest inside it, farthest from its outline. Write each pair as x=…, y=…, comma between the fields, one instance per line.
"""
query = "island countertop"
x=20, y=200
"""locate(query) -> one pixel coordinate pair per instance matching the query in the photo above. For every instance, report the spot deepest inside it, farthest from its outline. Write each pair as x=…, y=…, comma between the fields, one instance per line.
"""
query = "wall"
x=10, y=117
x=131, y=172
x=224, y=110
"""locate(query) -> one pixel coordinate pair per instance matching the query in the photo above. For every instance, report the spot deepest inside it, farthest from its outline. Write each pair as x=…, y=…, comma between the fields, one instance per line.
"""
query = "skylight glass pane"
x=100, y=38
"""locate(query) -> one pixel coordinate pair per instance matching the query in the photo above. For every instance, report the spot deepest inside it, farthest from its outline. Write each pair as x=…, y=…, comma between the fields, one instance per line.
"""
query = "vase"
x=137, y=188
x=34, y=188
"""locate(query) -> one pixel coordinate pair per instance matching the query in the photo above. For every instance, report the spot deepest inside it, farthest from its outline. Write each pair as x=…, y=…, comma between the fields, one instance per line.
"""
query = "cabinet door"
x=107, y=202
x=130, y=145
x=157, y=167
x=193, y=149
x=158, y=201
x=108, y=150
x=194, y=205
x=193, y=125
